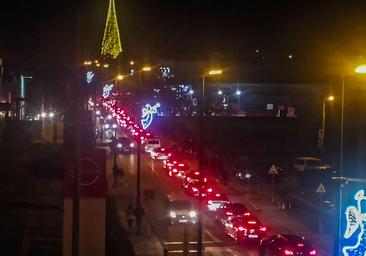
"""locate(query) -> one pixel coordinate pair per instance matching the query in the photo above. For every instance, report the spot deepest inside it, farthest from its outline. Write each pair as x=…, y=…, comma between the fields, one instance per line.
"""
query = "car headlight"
x=172, y=214
x=192, y=214
x=119, y=145
x=132, y=145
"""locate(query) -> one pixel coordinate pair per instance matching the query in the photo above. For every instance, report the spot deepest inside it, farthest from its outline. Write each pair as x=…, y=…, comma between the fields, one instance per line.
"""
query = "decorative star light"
x=107, y=90
x=356, y=220
x=148, y=112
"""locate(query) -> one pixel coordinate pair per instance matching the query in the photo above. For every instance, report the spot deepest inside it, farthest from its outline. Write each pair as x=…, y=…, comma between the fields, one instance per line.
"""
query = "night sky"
x=41, y=35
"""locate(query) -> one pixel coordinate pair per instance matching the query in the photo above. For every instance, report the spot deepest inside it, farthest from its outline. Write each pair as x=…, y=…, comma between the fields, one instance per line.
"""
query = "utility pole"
x=139, y=211
x=76, y=160
x=200, y=163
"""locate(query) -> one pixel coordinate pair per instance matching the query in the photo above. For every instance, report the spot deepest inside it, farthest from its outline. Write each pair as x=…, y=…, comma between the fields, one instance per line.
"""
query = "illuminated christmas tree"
x=111, y=45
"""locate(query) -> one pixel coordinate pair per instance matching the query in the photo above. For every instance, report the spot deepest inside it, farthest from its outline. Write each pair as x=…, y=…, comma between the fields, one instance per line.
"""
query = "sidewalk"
x=146, y=244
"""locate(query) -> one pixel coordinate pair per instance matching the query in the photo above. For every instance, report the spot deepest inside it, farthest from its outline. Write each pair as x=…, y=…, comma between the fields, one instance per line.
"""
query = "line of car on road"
x=237, y=222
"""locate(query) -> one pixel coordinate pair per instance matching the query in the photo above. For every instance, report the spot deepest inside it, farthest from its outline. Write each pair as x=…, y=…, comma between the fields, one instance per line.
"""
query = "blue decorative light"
x=107, y=90
x=148, y=112
x=89, y=76
x=356, y=220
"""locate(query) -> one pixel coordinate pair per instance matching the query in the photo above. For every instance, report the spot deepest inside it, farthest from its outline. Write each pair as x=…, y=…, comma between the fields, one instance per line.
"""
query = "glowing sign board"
x=89, y=76
x=354, y=233
x=107, y=90
x=148, y=112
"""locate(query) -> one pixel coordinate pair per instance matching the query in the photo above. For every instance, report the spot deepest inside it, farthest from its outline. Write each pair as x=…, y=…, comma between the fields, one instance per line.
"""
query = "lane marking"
x=191, y=242
x=161, y=180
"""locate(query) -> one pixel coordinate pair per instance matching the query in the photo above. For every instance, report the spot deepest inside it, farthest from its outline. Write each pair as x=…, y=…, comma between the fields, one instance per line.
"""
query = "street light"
x=328, y=99
x=361, y=69
x=220, y=92
x=139, y=211
x=201, y=176
x=238, y=92
x=120, y=77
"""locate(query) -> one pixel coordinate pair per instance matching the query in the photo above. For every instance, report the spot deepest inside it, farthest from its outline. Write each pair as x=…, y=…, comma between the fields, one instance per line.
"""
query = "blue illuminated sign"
x=148, y=112
x=89, y=76
x=107, y=90
x=354, y=243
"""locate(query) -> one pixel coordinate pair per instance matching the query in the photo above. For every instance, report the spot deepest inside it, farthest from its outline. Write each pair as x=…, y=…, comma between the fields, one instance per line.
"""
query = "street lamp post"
x=359, y=70
x=329, y=99
x=139, y=211
x=200, y=162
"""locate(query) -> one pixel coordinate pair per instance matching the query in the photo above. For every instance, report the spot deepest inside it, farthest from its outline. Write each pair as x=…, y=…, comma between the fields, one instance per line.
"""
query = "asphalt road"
x=153, y=177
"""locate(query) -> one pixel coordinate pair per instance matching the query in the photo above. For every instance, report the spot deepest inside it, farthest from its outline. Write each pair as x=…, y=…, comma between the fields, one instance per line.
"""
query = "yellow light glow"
x=146, y=69
x=330, y=98
x=105, y=65
x=98, y=65
x=96, y=61
x=361, y=69
x=132, y=63
x=86, y=63
x=215, y=72
x=120, y=77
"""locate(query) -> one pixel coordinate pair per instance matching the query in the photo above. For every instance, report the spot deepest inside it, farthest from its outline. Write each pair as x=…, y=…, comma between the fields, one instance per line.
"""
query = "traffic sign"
x=321, y=188
x=273, y=170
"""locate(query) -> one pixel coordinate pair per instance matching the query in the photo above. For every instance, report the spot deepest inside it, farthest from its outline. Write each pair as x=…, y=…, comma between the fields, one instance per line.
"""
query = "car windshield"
x=180, y=205
x=123, y=140
x=153, y=142
x=239, y=208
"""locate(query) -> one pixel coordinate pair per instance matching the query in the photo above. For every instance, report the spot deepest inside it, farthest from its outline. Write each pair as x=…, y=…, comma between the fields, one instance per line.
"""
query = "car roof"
x=292, y=238
x=307, y=158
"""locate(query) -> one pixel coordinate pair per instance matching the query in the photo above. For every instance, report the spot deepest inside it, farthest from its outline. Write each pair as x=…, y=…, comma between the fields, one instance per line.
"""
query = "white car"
x=303, y=164
x=152, y=144
x=160, y=153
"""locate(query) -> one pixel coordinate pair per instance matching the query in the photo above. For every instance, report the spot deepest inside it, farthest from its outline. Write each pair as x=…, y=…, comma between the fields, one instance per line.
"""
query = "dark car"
x=245, y=229
x=124, y=145
x=228, y=210
x=286, y=244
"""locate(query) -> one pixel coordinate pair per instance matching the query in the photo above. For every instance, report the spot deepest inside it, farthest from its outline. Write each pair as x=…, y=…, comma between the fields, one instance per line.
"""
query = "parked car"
x=303, y=164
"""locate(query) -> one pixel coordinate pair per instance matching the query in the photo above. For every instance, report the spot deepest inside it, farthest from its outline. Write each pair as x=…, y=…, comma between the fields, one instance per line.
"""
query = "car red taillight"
x=252, y=222
x=246, y=214
x=209, y=201
x=175, y=170
x=229, y=213
x=312, y=252
x=241, y=228
x=300, y=244
x=288, y=252
x=263, y=229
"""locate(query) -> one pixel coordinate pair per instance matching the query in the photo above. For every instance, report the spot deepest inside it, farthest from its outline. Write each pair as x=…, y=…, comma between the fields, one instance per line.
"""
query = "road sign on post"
x=321, y=189
x=273, y=171
x=321, y=138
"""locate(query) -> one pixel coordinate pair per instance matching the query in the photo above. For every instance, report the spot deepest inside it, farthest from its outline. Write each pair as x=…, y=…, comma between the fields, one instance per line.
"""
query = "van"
x=303, y=164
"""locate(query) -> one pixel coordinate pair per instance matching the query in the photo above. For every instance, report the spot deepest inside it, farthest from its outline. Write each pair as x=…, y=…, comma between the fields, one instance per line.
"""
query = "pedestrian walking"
x=130, y=217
